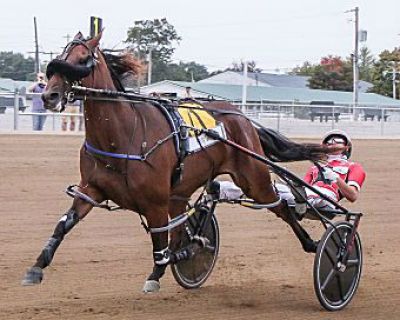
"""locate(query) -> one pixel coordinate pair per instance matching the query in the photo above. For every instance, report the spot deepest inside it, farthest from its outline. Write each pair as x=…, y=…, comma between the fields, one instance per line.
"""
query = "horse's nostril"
x=54, y=96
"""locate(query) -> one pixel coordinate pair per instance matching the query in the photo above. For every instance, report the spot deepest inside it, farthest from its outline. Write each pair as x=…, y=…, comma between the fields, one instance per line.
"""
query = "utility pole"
x=68, y=37
x=244, y=87
x=50, y=53
x=394, y=81
x=149, y=65
x=37, y=62
x=355, y=61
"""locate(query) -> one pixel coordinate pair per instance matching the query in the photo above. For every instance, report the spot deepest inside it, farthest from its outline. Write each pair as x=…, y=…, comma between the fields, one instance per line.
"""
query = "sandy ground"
x=98, y=272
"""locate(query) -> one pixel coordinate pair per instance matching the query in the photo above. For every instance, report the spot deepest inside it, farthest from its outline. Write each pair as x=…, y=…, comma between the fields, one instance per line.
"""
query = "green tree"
x=238, y=67
x=156, y=35
x=381, y=75
x=333, y=73
x=159, y=36
x=182, y=71
x=306, y=69
x=15, y=66
x=366, y=64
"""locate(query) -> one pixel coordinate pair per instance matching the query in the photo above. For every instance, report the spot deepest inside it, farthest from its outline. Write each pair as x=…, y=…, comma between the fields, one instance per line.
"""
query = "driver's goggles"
x=336, y=140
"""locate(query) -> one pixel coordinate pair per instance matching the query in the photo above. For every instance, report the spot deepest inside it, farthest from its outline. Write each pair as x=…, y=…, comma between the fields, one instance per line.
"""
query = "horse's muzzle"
x=51, y=99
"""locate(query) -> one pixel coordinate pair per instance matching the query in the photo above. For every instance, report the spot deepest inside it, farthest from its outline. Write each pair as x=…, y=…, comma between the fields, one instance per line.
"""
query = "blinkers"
x=72, y=72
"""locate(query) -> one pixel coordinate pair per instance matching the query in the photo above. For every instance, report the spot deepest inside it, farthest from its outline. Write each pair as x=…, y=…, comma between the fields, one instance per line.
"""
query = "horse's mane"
x=122, y=64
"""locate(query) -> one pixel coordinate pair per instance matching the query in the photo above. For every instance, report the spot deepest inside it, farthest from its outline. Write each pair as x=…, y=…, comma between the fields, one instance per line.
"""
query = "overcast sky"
x=276, y=34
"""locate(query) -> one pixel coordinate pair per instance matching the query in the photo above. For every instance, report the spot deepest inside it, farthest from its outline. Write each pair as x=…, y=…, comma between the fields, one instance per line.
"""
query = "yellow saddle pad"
x=200, y=119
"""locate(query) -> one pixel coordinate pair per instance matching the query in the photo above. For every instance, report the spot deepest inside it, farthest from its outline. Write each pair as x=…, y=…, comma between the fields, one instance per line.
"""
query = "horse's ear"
x=78, y=36
x=94, y=42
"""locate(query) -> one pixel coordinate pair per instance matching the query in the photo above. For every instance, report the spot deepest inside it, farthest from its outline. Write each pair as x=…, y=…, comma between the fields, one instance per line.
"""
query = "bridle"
x=72, y=74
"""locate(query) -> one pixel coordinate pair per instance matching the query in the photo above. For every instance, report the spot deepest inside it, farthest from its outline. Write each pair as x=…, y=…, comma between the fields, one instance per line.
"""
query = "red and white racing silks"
x=351, y=172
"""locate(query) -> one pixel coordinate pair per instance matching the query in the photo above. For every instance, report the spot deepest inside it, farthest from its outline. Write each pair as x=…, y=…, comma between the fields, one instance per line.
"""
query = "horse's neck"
x=104, y=119
x=106, y=122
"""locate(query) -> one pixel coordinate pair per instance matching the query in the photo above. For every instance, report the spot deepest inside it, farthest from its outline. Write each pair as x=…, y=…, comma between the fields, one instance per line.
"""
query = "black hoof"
x=33, y=276
x=311, y=246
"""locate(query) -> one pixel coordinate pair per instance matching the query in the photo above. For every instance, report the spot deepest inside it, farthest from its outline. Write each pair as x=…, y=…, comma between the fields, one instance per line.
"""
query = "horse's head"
x=75, y=63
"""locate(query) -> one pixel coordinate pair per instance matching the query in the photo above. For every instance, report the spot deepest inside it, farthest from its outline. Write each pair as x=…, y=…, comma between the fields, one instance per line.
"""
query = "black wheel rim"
x=194, y=272
x=335, y=287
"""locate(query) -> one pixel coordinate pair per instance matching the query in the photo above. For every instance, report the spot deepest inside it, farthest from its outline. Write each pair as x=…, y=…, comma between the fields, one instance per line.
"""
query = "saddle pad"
x=200, y=119
x=195, y=144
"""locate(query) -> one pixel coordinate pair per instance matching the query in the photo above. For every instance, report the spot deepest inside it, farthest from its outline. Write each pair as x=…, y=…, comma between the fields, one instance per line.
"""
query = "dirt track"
x=100, y=268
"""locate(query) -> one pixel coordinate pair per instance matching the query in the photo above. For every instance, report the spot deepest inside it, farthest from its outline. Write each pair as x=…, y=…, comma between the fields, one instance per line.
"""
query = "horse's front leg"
x=77, y=212
x=161, y=254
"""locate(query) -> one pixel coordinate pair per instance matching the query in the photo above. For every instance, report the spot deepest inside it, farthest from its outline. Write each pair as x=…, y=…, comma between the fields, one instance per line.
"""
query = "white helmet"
x=340, y=134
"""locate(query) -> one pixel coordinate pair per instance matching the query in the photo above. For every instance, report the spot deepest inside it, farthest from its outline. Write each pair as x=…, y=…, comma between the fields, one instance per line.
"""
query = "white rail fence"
x=16, y=114
x=367, y=121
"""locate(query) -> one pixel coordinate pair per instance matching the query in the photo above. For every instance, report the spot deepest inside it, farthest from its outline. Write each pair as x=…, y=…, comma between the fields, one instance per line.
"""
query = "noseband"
x=70, y=72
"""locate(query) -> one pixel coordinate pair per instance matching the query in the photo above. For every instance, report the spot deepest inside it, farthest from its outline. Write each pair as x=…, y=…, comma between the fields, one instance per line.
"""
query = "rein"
x=111, y=95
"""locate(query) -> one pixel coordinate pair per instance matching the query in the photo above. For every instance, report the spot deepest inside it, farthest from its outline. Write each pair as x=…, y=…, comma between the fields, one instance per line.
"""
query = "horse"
x=143, y=184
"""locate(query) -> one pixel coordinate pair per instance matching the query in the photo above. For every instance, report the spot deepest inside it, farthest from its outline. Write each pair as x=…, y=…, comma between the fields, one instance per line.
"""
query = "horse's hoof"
x=151, y=286
x=311, y=246
x=33, y=276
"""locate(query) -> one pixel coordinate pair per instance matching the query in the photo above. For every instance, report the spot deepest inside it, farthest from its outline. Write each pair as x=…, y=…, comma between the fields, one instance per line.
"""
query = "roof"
x=10, y=85
x=281, y=94
x=272, y=79
x=280, y=80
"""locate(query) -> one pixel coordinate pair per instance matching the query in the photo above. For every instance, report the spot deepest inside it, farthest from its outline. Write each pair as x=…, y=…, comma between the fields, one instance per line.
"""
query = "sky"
x=275, y=34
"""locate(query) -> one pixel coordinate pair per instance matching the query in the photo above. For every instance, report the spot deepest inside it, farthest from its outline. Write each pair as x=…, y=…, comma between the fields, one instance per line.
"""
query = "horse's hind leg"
x=286, y=215
x=257, y=185
x=78, y=211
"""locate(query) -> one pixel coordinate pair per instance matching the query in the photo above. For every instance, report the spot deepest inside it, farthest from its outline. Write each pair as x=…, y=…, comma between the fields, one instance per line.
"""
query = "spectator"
x=37, y=102
x=73, y=108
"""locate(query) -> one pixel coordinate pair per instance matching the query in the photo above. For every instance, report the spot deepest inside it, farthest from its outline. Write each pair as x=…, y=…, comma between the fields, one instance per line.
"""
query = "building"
x=267, y=94
x=268, y=80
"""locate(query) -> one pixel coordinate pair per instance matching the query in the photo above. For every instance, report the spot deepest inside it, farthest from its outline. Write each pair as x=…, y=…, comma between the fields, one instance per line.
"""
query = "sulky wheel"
x=192, y=273
x=335, y=284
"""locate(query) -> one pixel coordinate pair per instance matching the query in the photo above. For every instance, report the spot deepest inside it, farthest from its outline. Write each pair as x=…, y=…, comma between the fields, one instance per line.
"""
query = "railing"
x=312, y=120
x=12, y=122
x=289, y=118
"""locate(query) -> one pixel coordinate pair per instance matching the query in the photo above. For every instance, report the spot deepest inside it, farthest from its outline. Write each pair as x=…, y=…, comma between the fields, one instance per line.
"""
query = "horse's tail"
x=281, y=149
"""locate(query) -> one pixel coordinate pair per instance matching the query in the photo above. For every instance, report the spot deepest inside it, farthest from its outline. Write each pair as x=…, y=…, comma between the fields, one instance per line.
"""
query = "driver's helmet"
x=330, y=137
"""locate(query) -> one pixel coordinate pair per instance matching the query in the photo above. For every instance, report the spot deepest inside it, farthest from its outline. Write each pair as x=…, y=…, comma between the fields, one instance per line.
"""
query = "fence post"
x=54, y=121
x=279, y=118
x=16, y=109
x=333, y=117
x=382, y=120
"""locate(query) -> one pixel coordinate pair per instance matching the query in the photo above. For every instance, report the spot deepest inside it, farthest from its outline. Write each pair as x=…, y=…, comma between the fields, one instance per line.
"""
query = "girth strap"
x=94, y=150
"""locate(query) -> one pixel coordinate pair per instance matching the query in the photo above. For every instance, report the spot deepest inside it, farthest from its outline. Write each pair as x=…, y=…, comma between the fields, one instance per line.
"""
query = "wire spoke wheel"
x=192, y=273
x=334, y=284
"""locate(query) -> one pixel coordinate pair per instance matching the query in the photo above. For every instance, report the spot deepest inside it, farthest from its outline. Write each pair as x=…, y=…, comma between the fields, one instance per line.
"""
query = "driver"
x=340, y=178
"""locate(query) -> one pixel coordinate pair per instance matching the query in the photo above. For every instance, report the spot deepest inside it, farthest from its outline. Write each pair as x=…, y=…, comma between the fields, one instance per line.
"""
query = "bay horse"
x=144, y=186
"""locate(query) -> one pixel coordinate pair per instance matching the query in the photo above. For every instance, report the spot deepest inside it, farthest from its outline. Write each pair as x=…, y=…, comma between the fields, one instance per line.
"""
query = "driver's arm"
x=350, y=192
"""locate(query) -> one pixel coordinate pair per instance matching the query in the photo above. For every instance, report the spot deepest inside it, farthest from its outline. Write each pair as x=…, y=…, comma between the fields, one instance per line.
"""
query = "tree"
x=333, y=73
x=238, y=67
x=156, y=35
x=182, y=71
x=306, y=69
x=159, y=36
x=381, y=75
x=15, y=66
x=366, y=64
